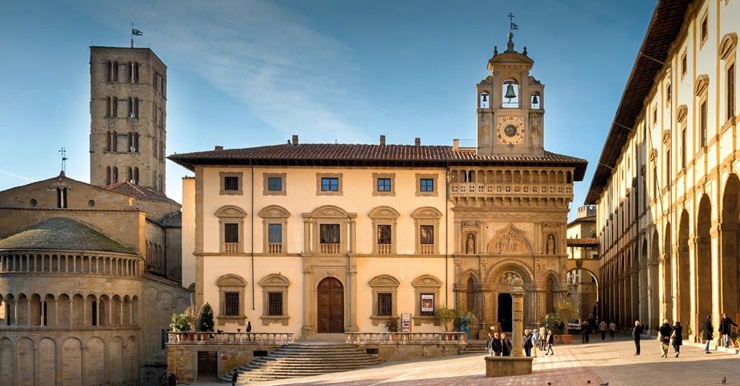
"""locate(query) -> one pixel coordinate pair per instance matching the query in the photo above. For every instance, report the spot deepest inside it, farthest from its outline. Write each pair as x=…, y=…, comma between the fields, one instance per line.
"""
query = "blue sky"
x=250, y=73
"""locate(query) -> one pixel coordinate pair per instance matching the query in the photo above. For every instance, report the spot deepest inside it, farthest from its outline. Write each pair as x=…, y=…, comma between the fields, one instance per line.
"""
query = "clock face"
x=510, y=130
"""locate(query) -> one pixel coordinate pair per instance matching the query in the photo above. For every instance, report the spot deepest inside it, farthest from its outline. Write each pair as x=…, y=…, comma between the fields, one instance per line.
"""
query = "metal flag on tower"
x=134, y=32
x=512, y=26
x=63, y=151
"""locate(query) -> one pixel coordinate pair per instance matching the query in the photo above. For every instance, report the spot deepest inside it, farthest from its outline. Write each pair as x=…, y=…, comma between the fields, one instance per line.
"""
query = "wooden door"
x=330, y=306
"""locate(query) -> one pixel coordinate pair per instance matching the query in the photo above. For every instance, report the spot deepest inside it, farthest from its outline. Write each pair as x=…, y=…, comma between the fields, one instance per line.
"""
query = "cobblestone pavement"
x=594, y=363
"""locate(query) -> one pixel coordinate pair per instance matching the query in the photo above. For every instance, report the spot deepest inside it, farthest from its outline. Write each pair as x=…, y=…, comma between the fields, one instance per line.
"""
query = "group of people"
x=589, y=326
x=672, y=335
x=499, y=345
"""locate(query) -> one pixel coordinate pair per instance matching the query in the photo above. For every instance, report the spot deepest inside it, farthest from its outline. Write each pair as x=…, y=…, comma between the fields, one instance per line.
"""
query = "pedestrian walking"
x=677, y=337
x=550, y=340
x=708, y=332
x=527, y=342
x=664, y=336
x=234, y=377
x=505, y=345
x=612, y=329
x=602, y=329
x=496, y=345
x=543, y=338
x=725, y=328
x=585, y=331
x=636, y=332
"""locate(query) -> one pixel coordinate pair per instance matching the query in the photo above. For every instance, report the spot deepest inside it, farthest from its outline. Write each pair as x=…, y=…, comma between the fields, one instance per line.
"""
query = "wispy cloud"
x=11, y=174
x=266, y=56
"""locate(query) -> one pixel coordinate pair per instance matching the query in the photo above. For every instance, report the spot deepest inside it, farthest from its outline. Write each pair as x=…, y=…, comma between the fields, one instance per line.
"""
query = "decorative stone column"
x=517, y=318
x=517, y=363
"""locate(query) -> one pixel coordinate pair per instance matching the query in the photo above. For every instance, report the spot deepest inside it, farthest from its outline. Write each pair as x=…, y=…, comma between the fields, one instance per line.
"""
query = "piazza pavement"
x=594, y=363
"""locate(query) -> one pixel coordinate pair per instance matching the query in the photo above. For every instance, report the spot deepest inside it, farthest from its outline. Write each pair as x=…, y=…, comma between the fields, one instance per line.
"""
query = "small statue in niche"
x=550, y=244
x=470, y=244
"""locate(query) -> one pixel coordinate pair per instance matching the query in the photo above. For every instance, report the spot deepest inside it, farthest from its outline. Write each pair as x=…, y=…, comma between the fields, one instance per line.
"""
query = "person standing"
x=234, y=377
x=543, y=338
x=664, y=332
x=677, y=338
x=496, y=345
x=550, y=340
x=602, y=329
x=725, y=328
x=612, y=329
x=636, y=332
x=585, y=331
x=505, y=345
x=489, y=344
x=708, y=331
x=527, y=342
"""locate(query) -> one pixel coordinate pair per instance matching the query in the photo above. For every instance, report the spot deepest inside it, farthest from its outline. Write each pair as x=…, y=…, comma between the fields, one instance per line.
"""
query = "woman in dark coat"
x=496, y=345
x=677, y=338
x=505, y=345
x=708, y=331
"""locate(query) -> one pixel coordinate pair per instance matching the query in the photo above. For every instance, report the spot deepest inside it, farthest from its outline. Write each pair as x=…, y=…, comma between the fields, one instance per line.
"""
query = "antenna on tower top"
x=63, y=151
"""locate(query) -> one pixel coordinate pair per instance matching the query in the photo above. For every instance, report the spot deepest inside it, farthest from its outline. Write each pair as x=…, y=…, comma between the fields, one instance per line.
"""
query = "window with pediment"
x=385, y=299
x=231, y=226
x=330, y=230
x=426, y=223
x=275, y=229
x=275, y=299
x=231, y=289
x=426, y=293
x=384, y=220
x=700, y=91
x=727, y=53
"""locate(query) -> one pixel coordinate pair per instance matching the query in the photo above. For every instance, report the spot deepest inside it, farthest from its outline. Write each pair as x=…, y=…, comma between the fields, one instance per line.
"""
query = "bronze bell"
x=535, y=100
x=485, y=98
x=510, y=92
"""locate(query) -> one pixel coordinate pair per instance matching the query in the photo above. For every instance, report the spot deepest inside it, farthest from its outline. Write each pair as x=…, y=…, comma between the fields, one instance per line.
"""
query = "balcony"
x=330, y=248
x=427, y=249
x=384, y=249
x=275, y=248
x=231, y=247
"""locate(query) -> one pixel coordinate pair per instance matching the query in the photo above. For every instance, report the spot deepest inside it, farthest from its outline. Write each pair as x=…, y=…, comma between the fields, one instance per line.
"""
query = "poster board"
x=405, y=322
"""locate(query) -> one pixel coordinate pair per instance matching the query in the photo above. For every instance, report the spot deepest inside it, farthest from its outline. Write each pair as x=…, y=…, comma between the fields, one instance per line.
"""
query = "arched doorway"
x=330, y=305
x=729, y=238
x=504, y=311
x=583, y=289
x=654, y=285
x=667, y=275
x=683, y=271
x=703, y=261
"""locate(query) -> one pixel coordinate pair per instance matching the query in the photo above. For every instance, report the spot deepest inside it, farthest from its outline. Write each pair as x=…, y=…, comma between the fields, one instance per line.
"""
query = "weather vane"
x=512, y=25
x=64, y=159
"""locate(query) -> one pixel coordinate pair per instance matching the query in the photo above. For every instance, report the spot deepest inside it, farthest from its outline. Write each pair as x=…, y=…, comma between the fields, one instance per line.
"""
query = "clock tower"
x=510, y=111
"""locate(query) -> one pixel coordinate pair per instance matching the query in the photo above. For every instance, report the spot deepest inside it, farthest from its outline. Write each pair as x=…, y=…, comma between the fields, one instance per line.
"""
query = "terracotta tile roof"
x=665, y=25
x=137, y=191
x=368, y=155
x=591, y=218
x=62, y=234
x=584, y=242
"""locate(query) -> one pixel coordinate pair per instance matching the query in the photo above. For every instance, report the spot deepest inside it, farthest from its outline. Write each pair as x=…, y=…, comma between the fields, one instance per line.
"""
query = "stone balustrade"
x=405, y=337
x=255, y=338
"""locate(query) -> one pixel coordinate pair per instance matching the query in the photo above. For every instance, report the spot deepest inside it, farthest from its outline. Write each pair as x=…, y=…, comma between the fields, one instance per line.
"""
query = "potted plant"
x=565, y=311
x=392, y=326
x=182, y=322
x=205, y=318
x=446, y=317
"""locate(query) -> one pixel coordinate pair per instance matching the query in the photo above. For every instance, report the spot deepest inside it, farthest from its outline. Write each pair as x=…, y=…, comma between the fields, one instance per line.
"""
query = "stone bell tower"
x=510, y=106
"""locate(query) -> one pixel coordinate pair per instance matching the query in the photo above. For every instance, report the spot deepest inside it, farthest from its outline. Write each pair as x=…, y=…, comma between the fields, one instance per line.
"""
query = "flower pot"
x=566, y=338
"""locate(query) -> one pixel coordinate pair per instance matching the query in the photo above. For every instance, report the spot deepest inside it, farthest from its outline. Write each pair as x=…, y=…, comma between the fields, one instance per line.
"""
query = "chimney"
x=382, y=140
x=218, y=148
x=455, y=144
x=417, y=141
x=295, y=139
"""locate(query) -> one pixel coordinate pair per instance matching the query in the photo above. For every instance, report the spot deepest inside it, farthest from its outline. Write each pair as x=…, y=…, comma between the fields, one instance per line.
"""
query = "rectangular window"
x=426, y=234
x=275, y=304
x=703, y=123
x=683, y=64
x=704, y=29
x=231, y=233
x=231, y=303
x=731, y=92
x=426, y=185
x=274, y=184
x=231, y=183
x=384, y=234
x=683, y=148
x=329, y=184
x=668, y=176
x=275, y=233
x=329, y=233
x=385, y=304
x=427, y=304
x=384, y=184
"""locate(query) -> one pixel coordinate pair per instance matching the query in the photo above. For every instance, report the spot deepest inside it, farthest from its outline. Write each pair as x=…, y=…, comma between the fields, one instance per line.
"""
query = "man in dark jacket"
x=665, y=332
x=708, y=332
x=636, y=332
x=725, y=328
x=234, y=377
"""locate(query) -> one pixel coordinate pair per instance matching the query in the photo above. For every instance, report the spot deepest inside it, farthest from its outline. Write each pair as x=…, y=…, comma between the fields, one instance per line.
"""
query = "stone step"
x=303, y=360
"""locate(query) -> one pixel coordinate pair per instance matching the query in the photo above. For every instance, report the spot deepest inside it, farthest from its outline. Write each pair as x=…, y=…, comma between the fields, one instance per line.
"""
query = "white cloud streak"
x=267, y=57
x=11, y=174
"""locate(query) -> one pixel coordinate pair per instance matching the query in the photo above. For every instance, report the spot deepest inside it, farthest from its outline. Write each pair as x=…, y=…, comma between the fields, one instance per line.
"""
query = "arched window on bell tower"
x=484, y=100
x=510, y=94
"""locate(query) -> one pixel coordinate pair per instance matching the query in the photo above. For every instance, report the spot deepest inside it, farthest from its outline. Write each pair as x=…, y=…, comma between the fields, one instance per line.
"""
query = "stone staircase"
x=477, y=347
x=305, y=359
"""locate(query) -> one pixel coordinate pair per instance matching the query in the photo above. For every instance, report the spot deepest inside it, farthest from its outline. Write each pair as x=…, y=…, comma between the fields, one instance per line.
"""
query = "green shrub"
x=205, y=319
